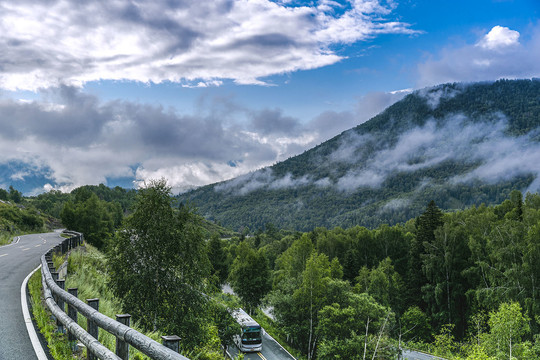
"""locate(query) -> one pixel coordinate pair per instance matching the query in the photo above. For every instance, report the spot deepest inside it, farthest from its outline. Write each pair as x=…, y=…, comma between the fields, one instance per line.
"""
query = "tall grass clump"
x=87, y=272
x=58, y=344
x=5, y=238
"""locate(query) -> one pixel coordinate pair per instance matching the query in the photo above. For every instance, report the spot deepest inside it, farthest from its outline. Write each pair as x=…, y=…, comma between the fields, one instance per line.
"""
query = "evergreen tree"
x=426, y=224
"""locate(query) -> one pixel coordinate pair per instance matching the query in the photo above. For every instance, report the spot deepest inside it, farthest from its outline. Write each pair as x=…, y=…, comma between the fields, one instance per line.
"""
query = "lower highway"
x=271, y=351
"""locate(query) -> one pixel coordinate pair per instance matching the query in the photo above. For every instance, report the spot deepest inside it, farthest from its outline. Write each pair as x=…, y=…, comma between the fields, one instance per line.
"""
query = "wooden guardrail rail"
x=56, y=298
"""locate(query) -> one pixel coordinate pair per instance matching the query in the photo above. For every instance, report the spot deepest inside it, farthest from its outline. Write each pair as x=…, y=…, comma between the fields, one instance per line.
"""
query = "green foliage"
x=471, y=262
x=15, y=195
x=90, y=216
x=415, y=325
x=444, y=342
x=250, y=276
x=507, y=326
x=226, y=326
x=158, y=265
x=17, y=219
x=4, y=195
x=218, y=259
x=87, y=271
x=383, y=283
x=58, y=344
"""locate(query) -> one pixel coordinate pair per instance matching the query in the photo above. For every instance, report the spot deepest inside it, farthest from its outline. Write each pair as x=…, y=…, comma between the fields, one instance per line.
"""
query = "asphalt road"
x=16, y=262
x=271, y=351
x=415, y=355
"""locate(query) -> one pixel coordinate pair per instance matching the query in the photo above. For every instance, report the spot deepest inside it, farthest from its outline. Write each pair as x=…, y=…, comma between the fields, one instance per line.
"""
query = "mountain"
x=456, y=144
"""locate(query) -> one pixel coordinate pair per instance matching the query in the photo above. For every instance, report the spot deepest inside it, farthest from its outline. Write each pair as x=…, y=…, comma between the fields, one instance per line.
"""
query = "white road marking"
x=38, y=245
x=25, y=249
x=3, y=255
x=28, y=320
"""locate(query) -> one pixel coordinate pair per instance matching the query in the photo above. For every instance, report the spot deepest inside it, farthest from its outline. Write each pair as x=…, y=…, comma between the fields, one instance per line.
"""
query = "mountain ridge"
x=442, y=143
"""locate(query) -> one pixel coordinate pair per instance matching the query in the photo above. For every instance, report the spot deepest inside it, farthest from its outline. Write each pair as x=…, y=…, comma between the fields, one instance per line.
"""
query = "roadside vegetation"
x=461, y=285
x=16, y=218
x=59, y=347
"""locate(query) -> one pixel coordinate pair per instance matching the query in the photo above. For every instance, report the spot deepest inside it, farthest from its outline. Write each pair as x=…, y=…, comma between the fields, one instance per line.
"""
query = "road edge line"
x=40, y=353
x=12, y=243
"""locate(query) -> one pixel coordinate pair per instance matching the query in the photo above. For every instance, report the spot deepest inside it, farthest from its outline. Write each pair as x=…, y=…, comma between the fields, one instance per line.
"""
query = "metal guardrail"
x=123, y=333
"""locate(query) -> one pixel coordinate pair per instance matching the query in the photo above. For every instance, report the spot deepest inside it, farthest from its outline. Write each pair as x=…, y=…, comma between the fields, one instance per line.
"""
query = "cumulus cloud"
x=499, y=38
x=195, y=43
x=500, y=53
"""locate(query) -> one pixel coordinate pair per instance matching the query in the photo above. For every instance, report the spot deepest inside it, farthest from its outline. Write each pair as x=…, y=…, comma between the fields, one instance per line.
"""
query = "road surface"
x=271, y=351
x=16, y=262
x=415, y=355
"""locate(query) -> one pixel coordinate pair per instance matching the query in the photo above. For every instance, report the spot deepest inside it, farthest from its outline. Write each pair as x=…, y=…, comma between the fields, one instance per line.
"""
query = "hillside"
x=17, y=219
x=457, y=144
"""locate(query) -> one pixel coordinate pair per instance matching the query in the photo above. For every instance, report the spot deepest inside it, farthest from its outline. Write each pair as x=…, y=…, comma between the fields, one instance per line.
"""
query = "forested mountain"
x=456, y=144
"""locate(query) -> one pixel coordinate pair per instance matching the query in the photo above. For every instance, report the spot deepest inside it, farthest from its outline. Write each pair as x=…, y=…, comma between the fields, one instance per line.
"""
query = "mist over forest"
x=458, y=144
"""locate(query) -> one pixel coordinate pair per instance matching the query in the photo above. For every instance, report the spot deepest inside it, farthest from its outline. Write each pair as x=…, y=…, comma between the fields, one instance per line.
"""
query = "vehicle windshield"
x=251, y=335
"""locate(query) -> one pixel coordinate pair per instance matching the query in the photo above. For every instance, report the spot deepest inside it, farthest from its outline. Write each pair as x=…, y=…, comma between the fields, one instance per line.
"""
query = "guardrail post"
x=61, y=283
x=93, y=329
x=172, y=342
x=72, y=312
x=122, y=347
x=50, y=264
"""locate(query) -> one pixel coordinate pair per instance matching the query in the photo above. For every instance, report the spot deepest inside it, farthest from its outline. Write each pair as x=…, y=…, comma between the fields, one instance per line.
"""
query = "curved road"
x=16, y=262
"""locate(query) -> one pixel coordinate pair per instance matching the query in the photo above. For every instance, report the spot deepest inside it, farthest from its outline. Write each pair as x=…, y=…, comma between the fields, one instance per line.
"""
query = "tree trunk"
x=365, y=339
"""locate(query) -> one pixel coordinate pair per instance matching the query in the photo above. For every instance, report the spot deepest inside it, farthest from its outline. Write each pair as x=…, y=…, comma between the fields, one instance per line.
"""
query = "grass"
x=5, y=238
x=58, y=344
x=86, y=272
x=90, y=283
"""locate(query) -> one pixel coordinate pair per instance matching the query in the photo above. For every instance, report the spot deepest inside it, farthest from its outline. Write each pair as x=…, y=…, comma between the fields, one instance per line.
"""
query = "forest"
x=460, y=284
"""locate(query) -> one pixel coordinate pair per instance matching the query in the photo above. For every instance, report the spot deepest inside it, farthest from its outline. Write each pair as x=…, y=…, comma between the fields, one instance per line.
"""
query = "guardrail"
x=56, y=298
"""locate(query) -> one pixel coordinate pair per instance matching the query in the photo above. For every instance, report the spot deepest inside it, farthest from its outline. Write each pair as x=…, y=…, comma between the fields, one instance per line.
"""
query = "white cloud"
x=499, y=37
x=195, y=43
x=498, y=54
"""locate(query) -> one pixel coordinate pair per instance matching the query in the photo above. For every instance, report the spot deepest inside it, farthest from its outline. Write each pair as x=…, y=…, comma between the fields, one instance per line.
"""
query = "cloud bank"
x=72, y=138
x=195, y=43
x=499, y=53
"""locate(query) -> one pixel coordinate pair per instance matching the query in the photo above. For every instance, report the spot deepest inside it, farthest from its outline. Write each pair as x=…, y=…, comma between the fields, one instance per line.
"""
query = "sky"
x=120, y=92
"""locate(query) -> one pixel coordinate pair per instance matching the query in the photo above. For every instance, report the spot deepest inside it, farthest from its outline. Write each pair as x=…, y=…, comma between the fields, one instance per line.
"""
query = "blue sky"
x=198, y=92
